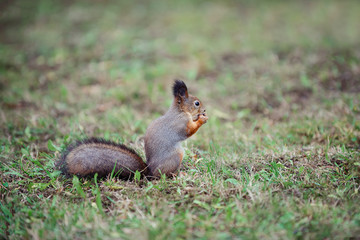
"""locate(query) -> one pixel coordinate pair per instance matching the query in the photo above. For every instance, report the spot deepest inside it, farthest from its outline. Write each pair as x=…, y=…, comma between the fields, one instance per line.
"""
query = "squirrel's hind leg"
x=168, y=166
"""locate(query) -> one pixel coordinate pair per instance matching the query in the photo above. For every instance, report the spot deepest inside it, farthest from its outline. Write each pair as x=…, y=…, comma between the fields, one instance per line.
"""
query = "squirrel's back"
x=95, y=155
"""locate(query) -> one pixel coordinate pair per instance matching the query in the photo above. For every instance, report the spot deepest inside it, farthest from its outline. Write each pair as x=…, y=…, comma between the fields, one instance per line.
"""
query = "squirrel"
x=163, y=149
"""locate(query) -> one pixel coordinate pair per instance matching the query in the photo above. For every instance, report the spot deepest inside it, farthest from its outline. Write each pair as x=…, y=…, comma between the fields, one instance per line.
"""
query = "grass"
x=278, y=159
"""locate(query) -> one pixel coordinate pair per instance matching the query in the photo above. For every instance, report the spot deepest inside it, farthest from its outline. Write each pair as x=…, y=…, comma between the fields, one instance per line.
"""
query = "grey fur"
x=162, y=141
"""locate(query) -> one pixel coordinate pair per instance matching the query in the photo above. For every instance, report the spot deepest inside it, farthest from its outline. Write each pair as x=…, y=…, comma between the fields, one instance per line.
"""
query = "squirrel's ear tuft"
x=180, y=89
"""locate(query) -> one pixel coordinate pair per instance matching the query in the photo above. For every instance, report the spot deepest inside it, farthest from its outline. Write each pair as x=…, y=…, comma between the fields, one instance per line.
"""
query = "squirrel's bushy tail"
x=96, y=155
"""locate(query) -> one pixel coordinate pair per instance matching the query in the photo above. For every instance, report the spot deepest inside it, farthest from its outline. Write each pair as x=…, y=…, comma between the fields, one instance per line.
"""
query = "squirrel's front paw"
x=203, y=118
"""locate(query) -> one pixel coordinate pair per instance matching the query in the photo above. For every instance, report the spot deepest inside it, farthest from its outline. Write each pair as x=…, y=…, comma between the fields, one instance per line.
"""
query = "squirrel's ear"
x=180, y=89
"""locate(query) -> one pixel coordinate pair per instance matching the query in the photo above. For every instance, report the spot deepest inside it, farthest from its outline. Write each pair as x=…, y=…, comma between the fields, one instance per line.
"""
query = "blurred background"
x=270, y=72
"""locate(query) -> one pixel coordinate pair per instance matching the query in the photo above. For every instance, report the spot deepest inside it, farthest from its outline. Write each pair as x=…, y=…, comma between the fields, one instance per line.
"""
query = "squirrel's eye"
x=197, y=103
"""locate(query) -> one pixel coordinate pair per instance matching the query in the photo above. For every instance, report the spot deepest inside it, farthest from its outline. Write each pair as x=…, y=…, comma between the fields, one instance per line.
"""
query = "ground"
x=278, y=159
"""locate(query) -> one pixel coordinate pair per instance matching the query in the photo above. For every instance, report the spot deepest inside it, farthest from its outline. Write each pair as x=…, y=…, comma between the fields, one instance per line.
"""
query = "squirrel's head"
x=186, y=102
